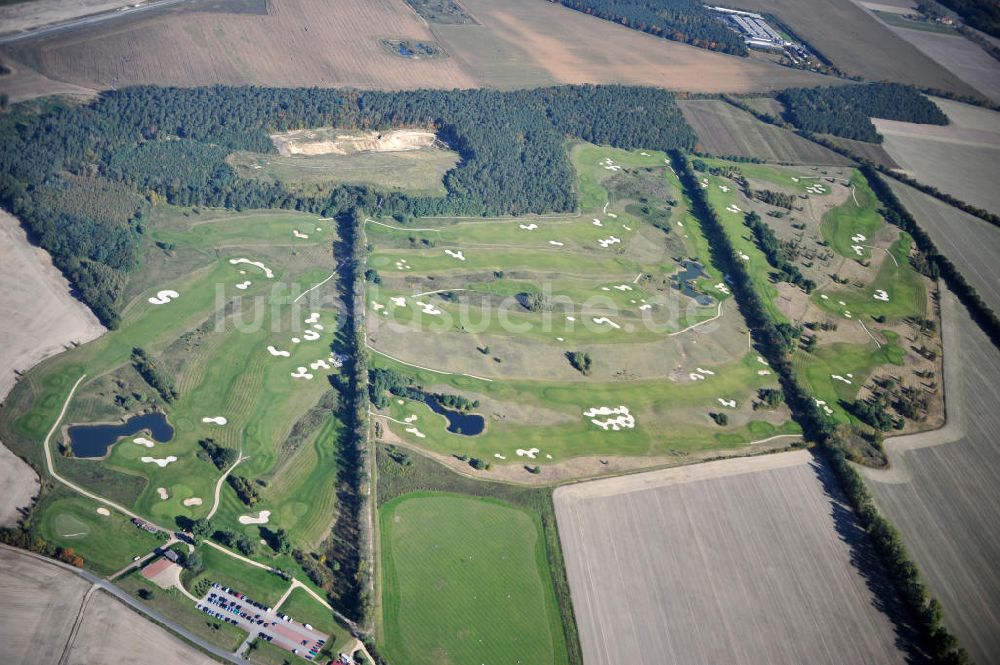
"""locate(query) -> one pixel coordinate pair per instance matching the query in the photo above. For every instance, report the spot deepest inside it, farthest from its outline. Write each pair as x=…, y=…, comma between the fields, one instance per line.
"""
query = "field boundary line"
x=700, y=323
x=436, y=371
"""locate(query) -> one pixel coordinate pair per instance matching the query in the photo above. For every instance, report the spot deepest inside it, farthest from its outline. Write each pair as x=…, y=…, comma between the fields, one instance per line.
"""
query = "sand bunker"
x=162, y=491
x=403, y=265
x=858, y=249
x=696, y=377
x=881, y=295
x=377, y=306
x=763, y=372
x=622, y=419
x=840, y=378
x=826, y=409
x=193, y=501
x=143, y=441
x=597, y=222
x=313, y=318
x=103, y=511
x=722, y=288
x=556, y=243
x=521, y=452
x=164, y=296
x=824, y=296
x=612, y=215
x=499, y=456
x=257, y=264
x=310, y=335
x=456, y=255
x=259, y=518
x=218, y=420
x=243, y=286
x=299, y=234
x=160, y=462
x=610, y=164
x=302, y=373
x=600, y=320
x=296, y=340
x=415, y=432
x=643, y=308
x=319, y=364
x=398, y=301
x=626, y=227
x=571, y=318
x=275, y=352
x=607, y=242
x=428, y=308
x=622, y=287
x=745, y=257
x=731, y=403
x=410, y=418
x=707, y=372
x=528, y=227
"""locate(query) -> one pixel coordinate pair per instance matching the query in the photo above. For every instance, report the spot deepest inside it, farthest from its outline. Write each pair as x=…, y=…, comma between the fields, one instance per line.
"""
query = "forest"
x=981, y=15
x=150, y=144
x=686, y=21
x=847, y=110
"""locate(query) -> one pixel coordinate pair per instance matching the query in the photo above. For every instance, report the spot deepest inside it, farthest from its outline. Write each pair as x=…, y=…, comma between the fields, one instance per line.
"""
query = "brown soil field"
x=571, y=47
x=48, y=618
x=959, y=55
x=943, y=490
x=27, y=15
x=723, y=129
x=24, y=83
x=871, y=151
x=858, y=43
x=960, y=158
x=519, y=43
x=299, y=43
x=970, y=243
x=740, y=561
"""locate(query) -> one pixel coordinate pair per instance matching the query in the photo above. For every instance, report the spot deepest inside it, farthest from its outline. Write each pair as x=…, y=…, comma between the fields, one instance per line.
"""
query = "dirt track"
x=738, y=561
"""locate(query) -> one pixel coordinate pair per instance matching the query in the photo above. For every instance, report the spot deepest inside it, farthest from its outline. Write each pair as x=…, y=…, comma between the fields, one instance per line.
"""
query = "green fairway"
x=261, y=585
x=466, y=580
x=896, y=277
x=854, y=223
x=106, y=542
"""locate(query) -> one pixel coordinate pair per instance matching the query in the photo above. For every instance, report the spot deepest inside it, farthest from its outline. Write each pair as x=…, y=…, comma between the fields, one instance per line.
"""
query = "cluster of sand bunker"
x=330, y=141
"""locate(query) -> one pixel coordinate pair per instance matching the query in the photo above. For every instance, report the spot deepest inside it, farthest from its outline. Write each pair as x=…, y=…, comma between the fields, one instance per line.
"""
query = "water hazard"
x=692, y=270
x=94, y=440
x=469, y=424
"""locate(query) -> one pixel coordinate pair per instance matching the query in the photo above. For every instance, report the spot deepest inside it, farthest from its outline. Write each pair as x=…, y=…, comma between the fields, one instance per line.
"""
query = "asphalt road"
x=84, y=21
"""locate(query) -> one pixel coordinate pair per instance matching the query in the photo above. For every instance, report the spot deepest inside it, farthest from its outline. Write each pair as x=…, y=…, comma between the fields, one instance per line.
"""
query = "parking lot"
x=262, y=621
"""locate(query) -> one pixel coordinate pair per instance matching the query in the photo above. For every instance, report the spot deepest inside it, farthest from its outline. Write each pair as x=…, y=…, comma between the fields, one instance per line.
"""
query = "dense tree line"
x=776, y=253
x=154, y=375
x=847, y=110
x=221, y=456
x=686, y=21
x=980, y=14
x=171, y=144
x=895, y=213
x=925, y=612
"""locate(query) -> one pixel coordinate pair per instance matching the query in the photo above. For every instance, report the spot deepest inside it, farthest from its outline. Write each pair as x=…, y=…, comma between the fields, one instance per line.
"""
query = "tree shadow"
x=865, y=559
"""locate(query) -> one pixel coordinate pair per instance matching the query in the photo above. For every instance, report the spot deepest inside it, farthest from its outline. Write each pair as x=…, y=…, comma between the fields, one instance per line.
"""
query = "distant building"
x=171, y=555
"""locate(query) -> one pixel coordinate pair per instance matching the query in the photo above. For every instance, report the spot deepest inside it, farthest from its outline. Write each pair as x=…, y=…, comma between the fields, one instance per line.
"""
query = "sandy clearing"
x=330, y=140
x=757, y=571
x=259, y=518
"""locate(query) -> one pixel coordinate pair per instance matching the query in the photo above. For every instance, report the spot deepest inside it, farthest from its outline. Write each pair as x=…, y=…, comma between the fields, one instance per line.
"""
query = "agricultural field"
x=726, y=130
x=41, y=604
x=941, y=490
x=969, y=242
x=859, y=315
x=466, y=579
x=762, y=567
x=858, y=43
x=590, y=335
x=236, y=316
x=959, y=158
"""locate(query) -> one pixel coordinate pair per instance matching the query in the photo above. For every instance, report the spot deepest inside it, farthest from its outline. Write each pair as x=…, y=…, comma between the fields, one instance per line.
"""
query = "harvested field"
x=571, y=47
x=960, y=158
x=943, y=490
x=858, y=43
x=24, y=83
x=959, y=55
x=299, y=43
x=970, y=243
x=27, y=15
x=871, y=151
x=761, y=567
x=42, y=605
x=723, y=129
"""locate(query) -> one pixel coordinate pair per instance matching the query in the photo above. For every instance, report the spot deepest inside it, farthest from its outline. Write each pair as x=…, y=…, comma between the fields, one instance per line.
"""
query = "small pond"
x=94, y=440
x=692, y=270
x=468, y=424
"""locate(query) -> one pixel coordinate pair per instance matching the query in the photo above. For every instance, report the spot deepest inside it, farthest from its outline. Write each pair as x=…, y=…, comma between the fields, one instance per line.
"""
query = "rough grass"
x=466, y=579
x=417, y=172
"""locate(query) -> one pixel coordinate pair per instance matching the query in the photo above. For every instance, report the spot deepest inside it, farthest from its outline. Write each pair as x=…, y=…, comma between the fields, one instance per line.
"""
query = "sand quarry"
x=331, y=141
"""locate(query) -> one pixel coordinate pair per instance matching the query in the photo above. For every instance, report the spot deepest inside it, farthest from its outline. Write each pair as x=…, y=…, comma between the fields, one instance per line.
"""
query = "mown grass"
x=466, y=579
x=848, y=219
x=106, y=543
x=261, y=585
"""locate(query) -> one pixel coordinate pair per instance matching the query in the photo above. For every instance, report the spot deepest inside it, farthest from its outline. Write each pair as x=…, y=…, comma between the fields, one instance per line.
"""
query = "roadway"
x=89, y=20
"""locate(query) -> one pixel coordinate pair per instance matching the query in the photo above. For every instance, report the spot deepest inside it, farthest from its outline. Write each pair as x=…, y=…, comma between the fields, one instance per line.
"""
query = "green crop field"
x=466, y=580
